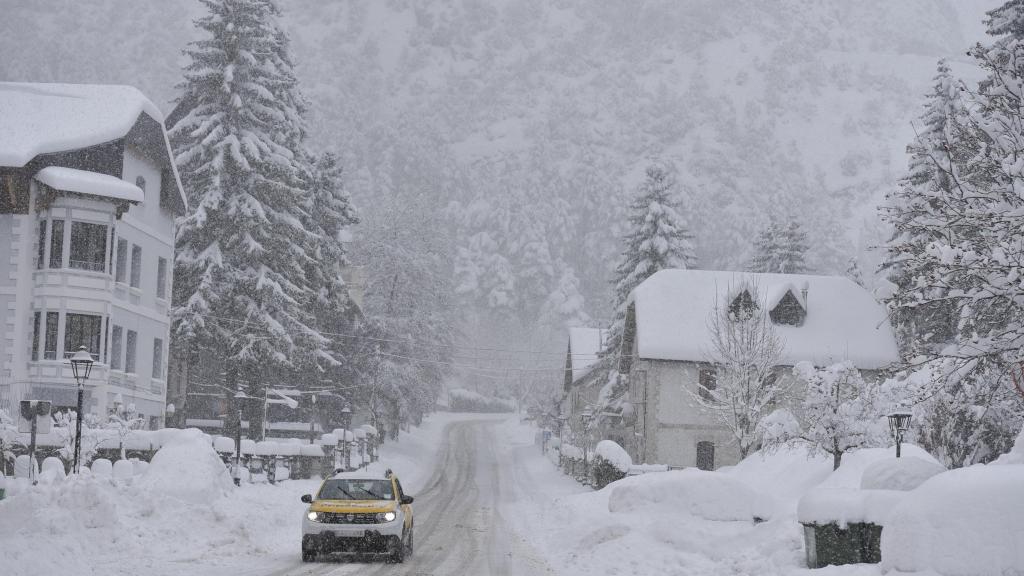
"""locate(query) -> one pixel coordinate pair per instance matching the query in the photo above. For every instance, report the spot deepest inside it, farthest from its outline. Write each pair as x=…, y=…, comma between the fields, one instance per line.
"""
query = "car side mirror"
x=407, y=499
x=307, y=498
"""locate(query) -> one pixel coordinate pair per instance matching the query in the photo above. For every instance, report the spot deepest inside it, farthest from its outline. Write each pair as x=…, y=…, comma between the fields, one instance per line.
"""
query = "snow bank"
x=188, y=468
x=840, y=498
x=965, y=522
x=615, y=455
x=707, y=495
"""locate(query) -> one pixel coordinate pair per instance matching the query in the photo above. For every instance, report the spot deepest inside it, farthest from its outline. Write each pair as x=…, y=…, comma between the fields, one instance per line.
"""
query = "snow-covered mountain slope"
x=797, y=106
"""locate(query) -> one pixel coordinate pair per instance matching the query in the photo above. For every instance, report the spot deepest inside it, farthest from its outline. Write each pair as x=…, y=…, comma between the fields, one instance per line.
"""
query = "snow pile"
x=964, y=522
x=188, y=468
x=614, y=454
x=899, y=473
x=840, y=498
x=707, y=495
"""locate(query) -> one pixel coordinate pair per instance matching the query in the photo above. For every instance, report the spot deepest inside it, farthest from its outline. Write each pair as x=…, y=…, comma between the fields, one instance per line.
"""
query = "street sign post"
x=30, y=414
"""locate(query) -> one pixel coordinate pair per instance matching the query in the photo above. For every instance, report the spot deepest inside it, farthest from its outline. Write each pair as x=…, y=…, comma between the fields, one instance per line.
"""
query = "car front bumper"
x=369, y=542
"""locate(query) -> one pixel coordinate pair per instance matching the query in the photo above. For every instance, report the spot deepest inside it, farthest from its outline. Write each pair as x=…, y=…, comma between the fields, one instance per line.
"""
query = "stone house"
x=667, y=355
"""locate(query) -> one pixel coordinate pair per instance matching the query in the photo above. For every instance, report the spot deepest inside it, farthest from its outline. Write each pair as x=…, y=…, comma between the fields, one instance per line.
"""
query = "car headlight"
x=313, y=516
x=386, y=517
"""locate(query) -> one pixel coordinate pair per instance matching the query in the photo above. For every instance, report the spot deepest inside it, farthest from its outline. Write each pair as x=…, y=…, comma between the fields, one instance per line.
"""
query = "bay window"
x=83, y=330
x=88, y=246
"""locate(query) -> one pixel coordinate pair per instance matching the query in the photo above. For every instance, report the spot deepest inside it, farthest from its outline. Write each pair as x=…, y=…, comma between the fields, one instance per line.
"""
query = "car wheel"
x=398, y=556
x=308, y=555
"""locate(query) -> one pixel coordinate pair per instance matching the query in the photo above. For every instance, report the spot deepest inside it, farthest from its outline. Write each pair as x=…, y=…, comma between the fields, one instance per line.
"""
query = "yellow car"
x=362, y=512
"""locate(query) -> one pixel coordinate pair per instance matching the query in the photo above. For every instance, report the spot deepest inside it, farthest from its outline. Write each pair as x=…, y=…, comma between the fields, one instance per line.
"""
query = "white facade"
x=79, y=266
x=668, y=355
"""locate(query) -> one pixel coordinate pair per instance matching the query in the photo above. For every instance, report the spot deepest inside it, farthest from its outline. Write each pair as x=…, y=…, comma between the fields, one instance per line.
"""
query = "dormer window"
x=788, y=311
x=742, y=306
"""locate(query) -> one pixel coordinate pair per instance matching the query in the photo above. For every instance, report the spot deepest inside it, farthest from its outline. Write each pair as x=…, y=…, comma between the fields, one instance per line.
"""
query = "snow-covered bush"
x=64, y=423
x=8, y=437
x=899, y=473
x=611, y=463
x=841, y=411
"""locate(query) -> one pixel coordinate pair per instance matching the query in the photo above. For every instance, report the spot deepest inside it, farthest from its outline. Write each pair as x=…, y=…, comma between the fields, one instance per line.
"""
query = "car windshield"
x=347, y=489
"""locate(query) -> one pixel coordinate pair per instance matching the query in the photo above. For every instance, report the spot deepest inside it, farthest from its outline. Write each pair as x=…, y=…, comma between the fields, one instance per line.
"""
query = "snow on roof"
x=92, y=183
x=373, y=471
x=45, y=118
x=42, y=118
x=584, y=347
x=843, y=321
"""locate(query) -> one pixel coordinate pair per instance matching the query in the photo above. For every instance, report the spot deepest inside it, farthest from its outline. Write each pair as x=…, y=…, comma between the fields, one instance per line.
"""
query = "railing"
x=87, y=265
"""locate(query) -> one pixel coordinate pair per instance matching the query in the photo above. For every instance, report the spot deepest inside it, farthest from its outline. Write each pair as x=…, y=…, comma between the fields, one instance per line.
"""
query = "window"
x=83, y=330
x=50, y=343
x=35, y=334
x=161, y=278
x=742, y=306
x=56, y=244
x=129, y=352
x=136, y=265
x=141, y=183
x=88, y=246
x=116, y=341
x=708, y=382
x=41, y=256
x=788, y=311
x=706, y=455
x=158, y=358
x=122, y=260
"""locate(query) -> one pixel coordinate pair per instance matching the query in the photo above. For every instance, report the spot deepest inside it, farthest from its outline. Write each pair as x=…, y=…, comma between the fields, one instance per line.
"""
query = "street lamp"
x=237, y=473
x=169, y=419
x=81, y=366
x=312, y=418
x=346, y=423
x=899, y=423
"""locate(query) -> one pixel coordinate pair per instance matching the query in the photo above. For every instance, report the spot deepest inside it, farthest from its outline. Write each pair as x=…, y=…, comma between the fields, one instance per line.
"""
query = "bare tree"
x=745, y=349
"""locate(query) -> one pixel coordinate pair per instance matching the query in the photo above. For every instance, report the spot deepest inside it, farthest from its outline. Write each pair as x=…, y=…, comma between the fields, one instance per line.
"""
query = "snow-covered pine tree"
x=959, y=236
x=243, y=252
x=329, y=215
x=918, y=212
x=780, y=248
x=658, y=239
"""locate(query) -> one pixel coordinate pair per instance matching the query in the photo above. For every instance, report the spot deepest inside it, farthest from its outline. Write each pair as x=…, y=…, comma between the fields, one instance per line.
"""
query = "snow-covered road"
x=461, y=525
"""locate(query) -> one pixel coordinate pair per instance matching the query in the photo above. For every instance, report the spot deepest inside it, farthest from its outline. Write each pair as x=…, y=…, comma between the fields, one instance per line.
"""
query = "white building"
x=88, y=197
x=667, y=350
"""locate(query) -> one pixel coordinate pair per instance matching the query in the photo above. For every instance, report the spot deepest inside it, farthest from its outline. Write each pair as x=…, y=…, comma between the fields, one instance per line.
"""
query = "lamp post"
x=585, y=418
x=312, y=418
x=81, y=366
x=169, y=419
x=899, y=423
x=237, y=472
x=346, y=423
